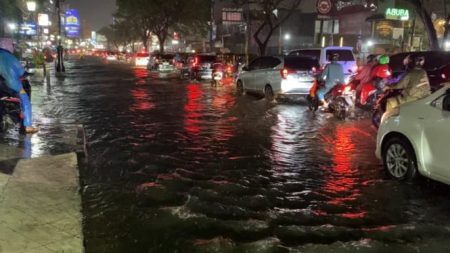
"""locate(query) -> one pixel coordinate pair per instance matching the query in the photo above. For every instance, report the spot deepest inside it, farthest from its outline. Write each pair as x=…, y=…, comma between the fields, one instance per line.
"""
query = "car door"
x=436, y=138
x=259, y=75
x=263, y=75
x=247, y=76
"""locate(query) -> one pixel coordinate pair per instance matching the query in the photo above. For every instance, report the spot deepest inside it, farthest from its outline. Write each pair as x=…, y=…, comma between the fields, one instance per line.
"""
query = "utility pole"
x=211, y=28
x=60, y=61
x=248, y=32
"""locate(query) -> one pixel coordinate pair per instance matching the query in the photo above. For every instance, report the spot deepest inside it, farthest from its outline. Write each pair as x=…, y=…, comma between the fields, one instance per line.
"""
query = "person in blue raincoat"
x=11, y=70
x=331, y=75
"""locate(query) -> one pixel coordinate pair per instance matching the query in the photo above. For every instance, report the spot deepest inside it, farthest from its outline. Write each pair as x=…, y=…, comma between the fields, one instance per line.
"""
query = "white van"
x=346, y=57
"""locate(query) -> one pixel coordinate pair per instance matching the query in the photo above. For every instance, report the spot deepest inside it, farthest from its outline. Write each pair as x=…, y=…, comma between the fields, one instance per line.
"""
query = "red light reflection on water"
x=193, y=109
x=142, y=100
x=342, y=185
x=142, y=74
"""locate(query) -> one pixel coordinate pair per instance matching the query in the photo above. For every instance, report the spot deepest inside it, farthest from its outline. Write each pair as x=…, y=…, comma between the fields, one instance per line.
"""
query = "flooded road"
x=179, y=166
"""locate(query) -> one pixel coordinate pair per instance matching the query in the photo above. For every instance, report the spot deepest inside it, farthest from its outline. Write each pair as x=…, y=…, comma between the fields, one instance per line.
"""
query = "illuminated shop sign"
x=397, y=14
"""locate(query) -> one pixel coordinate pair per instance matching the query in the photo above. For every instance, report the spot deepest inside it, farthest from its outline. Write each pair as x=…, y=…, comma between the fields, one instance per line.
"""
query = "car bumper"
x=166, y=68
x=292, y=87
x=205, y=74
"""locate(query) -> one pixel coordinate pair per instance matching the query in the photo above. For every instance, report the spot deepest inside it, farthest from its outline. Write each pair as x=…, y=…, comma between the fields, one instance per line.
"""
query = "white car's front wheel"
x=399, y=159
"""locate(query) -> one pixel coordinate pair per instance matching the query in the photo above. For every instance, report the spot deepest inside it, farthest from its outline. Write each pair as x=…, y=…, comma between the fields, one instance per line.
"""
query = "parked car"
x=278, y=76
x=166, y=63
x=417, y=139
x=201, y=66
x=142, y=59
x=111, y=56
x=346, y=57
x=437, y=65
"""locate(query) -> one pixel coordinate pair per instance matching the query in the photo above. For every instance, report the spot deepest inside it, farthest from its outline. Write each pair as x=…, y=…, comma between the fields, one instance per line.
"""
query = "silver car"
x=275, y=76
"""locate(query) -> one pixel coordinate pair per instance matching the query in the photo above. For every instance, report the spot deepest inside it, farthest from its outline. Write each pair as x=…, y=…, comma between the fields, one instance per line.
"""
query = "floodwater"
x=180, y=166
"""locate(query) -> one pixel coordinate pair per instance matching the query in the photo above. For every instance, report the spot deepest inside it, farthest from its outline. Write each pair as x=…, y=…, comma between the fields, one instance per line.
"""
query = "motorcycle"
x=313, y=101
x=367, y=97
x=10, y=106
x=380, y=106
x=217, y=75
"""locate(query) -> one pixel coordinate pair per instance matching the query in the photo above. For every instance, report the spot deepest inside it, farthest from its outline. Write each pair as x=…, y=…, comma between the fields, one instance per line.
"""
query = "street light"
x=31, y=6
x=12, y=26
x=287, y=36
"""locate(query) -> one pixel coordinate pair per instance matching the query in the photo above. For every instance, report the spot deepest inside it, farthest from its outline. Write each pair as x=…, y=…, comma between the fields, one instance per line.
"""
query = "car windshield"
x=314, y=53
x=207, y=58
x=167, y=57
x=300, y=63
x=344, y=54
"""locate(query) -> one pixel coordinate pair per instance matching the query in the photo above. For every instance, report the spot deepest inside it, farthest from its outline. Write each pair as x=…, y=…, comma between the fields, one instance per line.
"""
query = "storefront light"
x=31, y=6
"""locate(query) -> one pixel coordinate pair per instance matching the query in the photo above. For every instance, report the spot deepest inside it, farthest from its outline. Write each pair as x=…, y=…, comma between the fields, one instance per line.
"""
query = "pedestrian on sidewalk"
x=11, y=70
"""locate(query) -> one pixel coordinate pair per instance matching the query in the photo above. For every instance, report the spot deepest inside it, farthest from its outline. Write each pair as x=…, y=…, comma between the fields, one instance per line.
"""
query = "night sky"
x=97, y=13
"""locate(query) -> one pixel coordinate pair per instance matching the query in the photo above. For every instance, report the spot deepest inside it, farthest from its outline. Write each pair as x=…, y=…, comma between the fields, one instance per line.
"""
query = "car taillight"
x=284, y=73
x=314, y=69
x=444, y=76
x=195, y=62
x=355, y=69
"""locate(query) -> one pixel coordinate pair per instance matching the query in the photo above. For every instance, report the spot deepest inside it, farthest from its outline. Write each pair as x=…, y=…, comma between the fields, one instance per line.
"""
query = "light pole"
x=60, y=61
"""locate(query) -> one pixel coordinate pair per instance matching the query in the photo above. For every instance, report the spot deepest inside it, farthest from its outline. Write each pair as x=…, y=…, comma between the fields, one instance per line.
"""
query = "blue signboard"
x=28, y=28
x=72, y=23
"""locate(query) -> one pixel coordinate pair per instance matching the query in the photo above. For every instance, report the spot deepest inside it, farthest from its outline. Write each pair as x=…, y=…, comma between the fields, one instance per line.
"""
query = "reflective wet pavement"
x=176, y=166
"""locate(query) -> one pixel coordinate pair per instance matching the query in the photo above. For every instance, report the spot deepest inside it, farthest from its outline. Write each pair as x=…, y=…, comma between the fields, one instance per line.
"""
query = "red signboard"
x=339, y=7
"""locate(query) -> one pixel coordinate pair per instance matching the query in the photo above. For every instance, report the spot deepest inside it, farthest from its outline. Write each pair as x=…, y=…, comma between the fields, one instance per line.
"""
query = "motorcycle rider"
x=331, y=75
x=364, y=74
x=415, y=85
x=11, y=70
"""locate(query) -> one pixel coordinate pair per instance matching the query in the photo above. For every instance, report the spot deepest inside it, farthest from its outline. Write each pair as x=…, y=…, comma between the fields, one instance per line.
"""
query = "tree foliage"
x=161, y=16
x=9, y=11
x=425, y=16
x=269, y=16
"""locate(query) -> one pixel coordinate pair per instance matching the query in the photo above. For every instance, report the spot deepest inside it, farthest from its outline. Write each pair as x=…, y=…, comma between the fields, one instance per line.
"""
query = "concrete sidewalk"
x=40, y=204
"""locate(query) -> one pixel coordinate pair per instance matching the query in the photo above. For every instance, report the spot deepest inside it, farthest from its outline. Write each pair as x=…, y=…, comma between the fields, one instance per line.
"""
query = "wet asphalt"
x=180, y=166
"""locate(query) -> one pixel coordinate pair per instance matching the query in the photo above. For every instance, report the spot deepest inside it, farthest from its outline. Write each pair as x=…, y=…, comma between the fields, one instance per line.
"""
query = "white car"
x=346, y=57
x=275, y=76
x=417, y=139
x=142, y=59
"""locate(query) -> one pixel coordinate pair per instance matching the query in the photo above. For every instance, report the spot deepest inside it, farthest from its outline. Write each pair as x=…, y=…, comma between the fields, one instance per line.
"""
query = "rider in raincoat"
x=331, y=75
x=415, y=85
x=11, y=70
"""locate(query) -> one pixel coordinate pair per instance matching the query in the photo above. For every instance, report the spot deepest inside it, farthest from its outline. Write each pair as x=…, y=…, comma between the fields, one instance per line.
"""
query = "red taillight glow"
x=284, y=73
x=195, y=62
x=314, y=70
x=355, y=68
x=444, y=76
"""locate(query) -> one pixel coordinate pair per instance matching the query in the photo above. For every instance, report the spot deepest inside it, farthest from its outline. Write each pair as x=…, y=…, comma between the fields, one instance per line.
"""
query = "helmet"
x=383, y=59
x=419, y=61
x=334, y=57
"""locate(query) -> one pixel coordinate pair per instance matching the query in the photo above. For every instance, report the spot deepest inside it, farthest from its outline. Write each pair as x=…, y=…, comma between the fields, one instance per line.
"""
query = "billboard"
x=28, y=28
x=339, y=7
x=43, y=19
x=72, y=23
